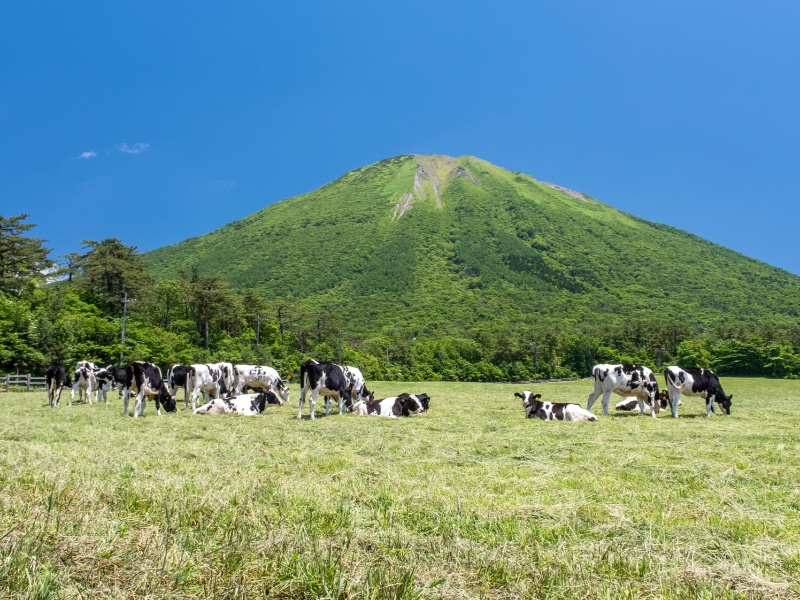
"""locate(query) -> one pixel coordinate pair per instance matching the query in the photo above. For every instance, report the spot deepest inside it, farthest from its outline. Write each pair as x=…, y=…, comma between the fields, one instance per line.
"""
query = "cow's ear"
x=730, y=398
x=537, y=396
x=518, y=395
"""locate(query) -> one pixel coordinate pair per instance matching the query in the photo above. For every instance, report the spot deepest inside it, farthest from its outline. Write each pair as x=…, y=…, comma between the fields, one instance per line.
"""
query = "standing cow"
x=57, y=378
x=84, y=381
x=259, y=376
x=176, y=378
x=145, y=380
x=692, y=381
x=205, y=379
x=356, y=385
x=324, y=378
x=625, y=380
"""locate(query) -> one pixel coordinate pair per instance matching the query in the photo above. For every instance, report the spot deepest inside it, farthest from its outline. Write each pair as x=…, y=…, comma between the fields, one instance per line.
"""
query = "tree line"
x=59, y=311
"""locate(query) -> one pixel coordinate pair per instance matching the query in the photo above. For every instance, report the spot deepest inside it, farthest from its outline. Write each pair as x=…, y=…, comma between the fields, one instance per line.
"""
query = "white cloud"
x=136, y=148
x=88, y=154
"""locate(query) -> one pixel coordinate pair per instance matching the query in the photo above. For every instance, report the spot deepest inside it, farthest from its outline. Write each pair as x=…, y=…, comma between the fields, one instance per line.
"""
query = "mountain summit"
x=440, y=244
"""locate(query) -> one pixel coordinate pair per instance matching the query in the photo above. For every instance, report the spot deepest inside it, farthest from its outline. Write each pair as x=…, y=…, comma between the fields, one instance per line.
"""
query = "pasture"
x=469, y=500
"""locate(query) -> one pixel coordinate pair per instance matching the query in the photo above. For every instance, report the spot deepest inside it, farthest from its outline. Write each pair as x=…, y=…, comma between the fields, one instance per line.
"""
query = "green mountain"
x=439, y=245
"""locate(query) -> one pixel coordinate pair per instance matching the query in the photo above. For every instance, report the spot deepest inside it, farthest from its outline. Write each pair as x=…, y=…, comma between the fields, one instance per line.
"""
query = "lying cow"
x=259, y=377
x=56, y=378
x=248, y=405
x=535, y=408
x=144, y=379
x=395, y=406
x=624, y=380
x=691, y=381
x=633, y=403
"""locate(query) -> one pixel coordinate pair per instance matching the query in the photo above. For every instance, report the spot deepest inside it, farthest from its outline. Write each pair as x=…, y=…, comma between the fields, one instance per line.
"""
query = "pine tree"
x=23, y=260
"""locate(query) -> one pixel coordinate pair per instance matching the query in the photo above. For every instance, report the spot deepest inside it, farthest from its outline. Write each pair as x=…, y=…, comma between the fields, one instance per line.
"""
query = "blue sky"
x=153, y=122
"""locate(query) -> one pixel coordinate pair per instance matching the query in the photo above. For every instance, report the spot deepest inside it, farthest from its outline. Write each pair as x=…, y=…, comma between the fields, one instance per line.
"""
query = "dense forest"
x=73, y=308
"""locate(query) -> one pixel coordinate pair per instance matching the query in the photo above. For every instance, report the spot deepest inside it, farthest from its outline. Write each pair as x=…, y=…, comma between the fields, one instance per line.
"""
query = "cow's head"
x=367, y=395
x=167, y=400
x=272, y=398
x=411, y=403
x=664, y=397
x=529, y=402
x=283, y=391
x=725, y=402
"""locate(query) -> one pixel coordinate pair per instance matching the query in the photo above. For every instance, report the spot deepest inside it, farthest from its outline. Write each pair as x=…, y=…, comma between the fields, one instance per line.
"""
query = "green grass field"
x=469, y=500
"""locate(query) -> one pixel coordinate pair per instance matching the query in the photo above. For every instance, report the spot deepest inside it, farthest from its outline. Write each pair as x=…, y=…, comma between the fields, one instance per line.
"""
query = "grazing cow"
x=144, y=379
x=176, y=378
x=535, y=408
x=206, y=379
x=84, y=382
x=259, y=376
x=324, y=378
x=248, y=405
x=691, y=381
x=56, y=378
x=356, y=385
x=633, y=403
x=624, y=380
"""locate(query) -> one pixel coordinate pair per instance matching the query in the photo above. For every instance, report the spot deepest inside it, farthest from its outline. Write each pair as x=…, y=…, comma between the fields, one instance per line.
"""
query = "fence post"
x=8, y=382
x=28, y=383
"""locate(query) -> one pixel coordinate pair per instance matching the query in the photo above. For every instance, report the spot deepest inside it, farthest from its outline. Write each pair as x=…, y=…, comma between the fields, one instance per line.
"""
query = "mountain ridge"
x=441, y=244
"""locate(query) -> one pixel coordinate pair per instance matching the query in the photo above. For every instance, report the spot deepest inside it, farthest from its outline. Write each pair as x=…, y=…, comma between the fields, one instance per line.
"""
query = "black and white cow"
x=145, y=380
x=624, y=380
x=403, y=405
x=261, y=377
x=228, y=377
x=176, y=378
x=105, y=382
x=633, y=403
x=121, y=379
x=692, y=381
x=56, y=378
x=324, y=378
x=356, y=384
x=84, y=381
x=535, y=408
x=205, y=379
x=248, y=405
x=415, y=403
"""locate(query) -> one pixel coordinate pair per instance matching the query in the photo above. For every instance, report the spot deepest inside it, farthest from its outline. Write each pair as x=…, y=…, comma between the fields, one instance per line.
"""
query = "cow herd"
x=224, y=386
x=640, y=383
x=224, y=389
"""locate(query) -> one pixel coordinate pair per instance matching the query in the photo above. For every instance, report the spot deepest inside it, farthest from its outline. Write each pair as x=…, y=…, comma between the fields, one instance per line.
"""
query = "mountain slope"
x=437, y=244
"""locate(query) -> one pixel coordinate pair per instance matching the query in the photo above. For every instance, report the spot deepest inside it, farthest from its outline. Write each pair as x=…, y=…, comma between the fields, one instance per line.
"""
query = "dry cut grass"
x=469, y=500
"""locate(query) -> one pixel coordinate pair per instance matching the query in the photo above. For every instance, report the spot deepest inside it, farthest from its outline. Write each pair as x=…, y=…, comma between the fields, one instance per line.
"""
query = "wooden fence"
x=25, y=382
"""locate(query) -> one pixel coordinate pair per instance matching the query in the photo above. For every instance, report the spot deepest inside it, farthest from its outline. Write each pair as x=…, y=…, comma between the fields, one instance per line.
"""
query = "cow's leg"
x=673, y=400
x=313, y=401
x=195, y=395
x=302, y=401
x=710, y=406
x=598, y=389
x=72, y=394
x=606, y=398
x=641, y=405
x=125, y=405
x=138, y=409
x=327, y=405
x=655, y=406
